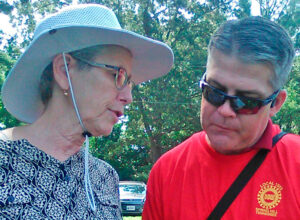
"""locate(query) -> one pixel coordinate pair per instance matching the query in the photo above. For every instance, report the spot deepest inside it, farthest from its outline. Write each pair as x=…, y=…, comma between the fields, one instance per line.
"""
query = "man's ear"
x=278, y=102
x=59, y=70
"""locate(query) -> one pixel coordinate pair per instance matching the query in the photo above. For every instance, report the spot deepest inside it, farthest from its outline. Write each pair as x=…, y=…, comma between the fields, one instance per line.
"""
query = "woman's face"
x=99, y=102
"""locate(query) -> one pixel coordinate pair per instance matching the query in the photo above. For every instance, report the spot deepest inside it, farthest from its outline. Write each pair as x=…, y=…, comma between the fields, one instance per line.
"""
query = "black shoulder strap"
x=241, y=181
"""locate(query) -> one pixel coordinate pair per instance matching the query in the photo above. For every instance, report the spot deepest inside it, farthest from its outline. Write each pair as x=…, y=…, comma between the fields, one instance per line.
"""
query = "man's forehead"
x=228, y=73
x=237, y=91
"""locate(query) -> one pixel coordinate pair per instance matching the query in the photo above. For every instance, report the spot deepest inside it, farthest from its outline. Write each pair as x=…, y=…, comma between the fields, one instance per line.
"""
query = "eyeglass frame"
x=127, y=80
x=263, y=102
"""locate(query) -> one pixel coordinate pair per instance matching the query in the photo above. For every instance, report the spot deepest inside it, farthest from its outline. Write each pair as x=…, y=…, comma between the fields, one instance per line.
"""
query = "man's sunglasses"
x=121, y=76
x=240, y=104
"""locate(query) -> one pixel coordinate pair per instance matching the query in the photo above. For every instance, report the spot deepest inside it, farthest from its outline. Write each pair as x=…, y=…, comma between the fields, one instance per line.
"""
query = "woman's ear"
x=59, y=69
x=278, y=102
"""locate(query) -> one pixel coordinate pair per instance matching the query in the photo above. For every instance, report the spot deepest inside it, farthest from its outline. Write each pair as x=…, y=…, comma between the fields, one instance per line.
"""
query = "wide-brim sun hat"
x=74, y=28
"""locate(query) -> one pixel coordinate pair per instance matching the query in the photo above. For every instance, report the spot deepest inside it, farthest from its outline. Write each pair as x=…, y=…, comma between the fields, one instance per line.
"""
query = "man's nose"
x=226, y=110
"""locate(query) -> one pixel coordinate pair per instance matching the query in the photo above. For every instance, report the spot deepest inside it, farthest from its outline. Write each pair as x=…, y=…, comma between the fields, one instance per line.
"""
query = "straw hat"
x=75, y=28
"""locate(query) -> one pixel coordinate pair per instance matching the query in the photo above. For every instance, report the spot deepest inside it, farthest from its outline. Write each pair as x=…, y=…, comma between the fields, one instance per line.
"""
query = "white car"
x=132, y=195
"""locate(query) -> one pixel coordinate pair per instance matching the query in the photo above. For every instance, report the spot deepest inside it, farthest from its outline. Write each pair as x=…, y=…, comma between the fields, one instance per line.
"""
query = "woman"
x=72, y=82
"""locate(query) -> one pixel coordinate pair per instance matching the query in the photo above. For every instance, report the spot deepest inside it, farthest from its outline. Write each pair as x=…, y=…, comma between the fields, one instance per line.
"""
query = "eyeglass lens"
x=122, y=80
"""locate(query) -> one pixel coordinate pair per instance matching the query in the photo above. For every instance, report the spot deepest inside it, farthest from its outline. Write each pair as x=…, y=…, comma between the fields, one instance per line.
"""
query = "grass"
x=132, y=218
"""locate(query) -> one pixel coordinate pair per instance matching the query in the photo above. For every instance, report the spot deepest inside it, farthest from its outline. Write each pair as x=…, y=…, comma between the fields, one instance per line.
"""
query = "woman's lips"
x=116, y=113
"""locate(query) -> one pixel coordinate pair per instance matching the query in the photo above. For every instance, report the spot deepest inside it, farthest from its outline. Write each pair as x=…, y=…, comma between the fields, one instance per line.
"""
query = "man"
x=248, y=63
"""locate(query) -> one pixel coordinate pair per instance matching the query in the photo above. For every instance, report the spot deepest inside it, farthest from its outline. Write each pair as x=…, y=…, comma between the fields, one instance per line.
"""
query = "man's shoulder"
x=289, y=147
x=290, y=140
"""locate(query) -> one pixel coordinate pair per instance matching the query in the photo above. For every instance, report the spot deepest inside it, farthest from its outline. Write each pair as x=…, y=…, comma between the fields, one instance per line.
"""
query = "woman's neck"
x=59, y=137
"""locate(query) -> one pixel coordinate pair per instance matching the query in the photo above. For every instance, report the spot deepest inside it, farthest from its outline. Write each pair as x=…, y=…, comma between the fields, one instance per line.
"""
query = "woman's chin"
x=99, y=127
x=102, y=132
x=106, y=133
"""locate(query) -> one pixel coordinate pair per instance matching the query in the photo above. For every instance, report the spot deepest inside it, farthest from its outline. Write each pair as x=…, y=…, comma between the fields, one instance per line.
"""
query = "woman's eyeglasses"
x=240, y=104
x=121, y=76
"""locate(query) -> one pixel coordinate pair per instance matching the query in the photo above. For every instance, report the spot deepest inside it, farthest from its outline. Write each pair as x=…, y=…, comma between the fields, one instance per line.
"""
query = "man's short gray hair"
x=254, y=40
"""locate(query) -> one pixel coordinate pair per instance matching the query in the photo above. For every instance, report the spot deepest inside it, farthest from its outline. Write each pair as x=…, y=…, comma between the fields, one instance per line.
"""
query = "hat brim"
x=20, y=92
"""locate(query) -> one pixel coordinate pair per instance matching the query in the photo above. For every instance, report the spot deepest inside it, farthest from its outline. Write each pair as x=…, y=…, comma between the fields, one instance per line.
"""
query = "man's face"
x=227, y=131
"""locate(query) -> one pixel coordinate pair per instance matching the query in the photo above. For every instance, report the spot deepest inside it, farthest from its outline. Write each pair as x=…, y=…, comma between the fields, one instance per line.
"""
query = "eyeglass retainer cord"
x=86, y=134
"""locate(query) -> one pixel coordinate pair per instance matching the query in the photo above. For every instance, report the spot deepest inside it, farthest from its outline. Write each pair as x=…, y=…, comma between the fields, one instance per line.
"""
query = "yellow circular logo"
x=269, y=195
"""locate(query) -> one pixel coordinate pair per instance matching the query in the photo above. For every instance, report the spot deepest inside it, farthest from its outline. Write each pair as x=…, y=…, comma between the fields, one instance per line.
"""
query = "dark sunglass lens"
x=250, y=103
x=237, y=103
x=248, y=111
x=250, y=106
x=212, y=96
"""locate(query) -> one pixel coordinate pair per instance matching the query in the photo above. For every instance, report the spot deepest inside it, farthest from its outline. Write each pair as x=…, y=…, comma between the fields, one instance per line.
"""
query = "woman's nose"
x=125, y=95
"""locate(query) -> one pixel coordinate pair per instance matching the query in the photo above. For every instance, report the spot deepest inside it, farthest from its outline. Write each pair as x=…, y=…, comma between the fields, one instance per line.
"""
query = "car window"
x=132, y=189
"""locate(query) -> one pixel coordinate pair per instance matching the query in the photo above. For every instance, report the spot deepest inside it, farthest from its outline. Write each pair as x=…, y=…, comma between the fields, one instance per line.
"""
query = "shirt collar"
x=265, y=141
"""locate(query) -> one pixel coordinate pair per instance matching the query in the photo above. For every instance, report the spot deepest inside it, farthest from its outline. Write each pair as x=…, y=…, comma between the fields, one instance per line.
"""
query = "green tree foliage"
x=286, y=13
x=7, y=59
x=165, y=111
x=243, y=10
x=24, y=20
x=169, y=106
x=5, y=7
x=27, y=12
x=289, y=115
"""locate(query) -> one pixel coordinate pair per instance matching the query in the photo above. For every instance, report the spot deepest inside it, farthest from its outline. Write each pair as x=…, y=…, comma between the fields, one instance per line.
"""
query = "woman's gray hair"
x=255, y=40
x=47, y=79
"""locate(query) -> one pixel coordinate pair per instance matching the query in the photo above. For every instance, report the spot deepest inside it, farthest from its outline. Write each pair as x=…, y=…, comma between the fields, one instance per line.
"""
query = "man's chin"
x=226, y=147
x=219, y=138
x=221, y=143
x=227, y=151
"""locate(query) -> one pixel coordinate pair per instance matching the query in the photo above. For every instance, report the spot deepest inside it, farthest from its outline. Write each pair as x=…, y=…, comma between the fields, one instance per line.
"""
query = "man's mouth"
x=224, y=128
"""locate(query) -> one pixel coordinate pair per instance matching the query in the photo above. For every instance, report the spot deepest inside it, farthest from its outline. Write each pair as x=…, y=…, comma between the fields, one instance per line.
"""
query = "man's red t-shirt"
x=188, y=181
